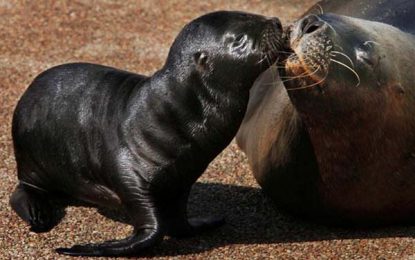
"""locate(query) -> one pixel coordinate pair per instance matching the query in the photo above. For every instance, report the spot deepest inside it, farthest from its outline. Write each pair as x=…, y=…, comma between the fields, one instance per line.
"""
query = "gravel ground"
x=135, y=36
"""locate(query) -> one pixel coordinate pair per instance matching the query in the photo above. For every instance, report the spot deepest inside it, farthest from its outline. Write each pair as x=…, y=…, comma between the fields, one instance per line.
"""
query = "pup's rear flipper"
x=37, y=208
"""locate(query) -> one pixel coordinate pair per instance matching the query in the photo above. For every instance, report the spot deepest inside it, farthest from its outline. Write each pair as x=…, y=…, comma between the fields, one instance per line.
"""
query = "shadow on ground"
x=252, y=219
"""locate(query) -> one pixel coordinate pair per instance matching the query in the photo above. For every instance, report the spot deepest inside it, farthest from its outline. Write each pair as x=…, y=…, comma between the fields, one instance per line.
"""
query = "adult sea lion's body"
x=87, y=134
x=334, y=139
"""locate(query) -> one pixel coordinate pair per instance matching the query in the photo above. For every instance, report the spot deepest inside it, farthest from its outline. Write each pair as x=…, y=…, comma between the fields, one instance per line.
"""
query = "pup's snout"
x=276, y=23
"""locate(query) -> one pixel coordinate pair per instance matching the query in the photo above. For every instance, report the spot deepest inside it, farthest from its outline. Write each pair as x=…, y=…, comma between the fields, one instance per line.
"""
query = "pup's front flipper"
x=132, y=245
x=139, y=205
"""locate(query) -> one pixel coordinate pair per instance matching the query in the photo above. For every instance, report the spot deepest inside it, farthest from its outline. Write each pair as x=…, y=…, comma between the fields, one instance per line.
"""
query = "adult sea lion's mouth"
x=307, y=46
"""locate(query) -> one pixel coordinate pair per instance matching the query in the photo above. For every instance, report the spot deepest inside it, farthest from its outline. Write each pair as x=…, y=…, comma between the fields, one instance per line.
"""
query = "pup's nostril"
x=311, y=24
x=276, y=22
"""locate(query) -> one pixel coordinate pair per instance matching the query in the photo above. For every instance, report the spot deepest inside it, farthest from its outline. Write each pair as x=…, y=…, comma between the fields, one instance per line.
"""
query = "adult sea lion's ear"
x=201, y=58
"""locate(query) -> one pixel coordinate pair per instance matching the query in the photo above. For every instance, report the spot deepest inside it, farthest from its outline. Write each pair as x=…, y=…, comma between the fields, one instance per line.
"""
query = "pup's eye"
x=201, y=58
x=240, y=41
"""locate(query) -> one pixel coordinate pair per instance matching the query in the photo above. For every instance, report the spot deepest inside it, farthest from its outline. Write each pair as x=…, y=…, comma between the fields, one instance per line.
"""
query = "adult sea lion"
x=334, y=138
x=92, y=135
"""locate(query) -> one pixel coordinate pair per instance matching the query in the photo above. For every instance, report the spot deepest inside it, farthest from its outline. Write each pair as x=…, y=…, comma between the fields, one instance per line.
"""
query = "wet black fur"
x=87, y=134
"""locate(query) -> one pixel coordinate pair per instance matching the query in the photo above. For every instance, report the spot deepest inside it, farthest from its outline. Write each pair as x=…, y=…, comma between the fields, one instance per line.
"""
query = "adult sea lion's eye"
x=365, y=53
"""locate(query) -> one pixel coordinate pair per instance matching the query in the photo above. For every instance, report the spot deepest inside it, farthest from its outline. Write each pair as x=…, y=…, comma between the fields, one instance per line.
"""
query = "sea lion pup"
x=334, y=139
x=87, y=134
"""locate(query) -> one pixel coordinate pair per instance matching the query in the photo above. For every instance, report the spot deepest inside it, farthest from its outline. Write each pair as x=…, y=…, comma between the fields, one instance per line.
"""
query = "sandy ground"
x=135, y=36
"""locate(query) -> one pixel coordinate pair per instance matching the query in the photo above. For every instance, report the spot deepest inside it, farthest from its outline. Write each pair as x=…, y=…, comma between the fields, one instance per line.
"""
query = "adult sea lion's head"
x=351, y=81
x=346, y=67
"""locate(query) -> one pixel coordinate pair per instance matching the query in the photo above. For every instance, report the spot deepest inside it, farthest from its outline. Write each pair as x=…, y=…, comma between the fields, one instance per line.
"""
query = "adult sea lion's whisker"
x=352, y=70
x=320, y=8
x=302, y=75
x=309, y=86
x=374, y=42
x=338, y=46
x=331, y=27
x=317, y=9
x=282, y=61
x=344, y=55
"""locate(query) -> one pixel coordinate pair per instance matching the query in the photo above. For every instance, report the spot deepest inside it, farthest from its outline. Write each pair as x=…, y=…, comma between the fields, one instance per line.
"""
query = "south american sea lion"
x=331, y=134
x=92, y=135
